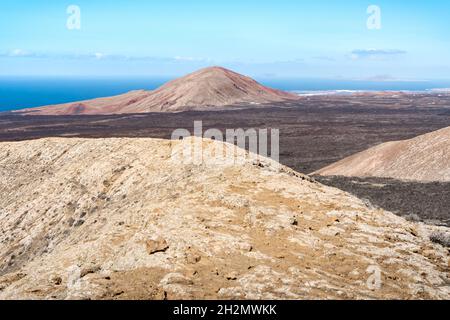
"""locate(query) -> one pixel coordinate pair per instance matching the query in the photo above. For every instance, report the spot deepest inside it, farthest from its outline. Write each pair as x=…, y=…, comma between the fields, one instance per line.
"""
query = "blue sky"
x=272, y=39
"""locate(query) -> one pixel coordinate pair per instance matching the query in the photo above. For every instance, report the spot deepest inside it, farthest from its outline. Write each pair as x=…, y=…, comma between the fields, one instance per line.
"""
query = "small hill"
x=119, y=219
x=425, y=158
x=206, y=89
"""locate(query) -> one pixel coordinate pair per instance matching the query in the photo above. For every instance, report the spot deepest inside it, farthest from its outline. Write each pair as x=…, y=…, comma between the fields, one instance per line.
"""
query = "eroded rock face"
x=119, y=219
x=425, y=158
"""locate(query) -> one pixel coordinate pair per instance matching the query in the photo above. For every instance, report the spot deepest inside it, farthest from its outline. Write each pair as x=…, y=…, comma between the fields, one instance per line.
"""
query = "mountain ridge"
x=117, y=218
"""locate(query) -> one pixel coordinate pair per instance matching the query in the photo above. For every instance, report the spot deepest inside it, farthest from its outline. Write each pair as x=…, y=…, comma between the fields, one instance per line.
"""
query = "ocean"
x=18, y=93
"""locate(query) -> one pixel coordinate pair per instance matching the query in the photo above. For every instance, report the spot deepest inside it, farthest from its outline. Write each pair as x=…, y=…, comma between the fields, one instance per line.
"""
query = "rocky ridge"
x=120, y=219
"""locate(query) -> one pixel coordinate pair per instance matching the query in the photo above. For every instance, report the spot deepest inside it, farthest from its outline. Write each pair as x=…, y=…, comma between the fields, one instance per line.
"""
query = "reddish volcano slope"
x=425, y=158
x=206, y=89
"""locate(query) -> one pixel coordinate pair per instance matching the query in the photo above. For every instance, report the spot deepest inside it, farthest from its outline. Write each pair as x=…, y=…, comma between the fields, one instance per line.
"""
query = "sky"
x=358, y=40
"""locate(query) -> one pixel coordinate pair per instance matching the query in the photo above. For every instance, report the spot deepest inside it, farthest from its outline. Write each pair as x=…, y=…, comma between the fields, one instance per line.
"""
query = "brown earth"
x=207, y=89
x=119, y=219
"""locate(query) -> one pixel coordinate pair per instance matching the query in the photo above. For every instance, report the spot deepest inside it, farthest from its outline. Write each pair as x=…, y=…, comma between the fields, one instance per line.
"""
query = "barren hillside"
x=118, y=218
x=206, y=89
x=425, y=158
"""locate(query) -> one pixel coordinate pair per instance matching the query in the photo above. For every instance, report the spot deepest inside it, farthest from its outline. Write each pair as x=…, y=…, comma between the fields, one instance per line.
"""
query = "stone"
x=155, y=246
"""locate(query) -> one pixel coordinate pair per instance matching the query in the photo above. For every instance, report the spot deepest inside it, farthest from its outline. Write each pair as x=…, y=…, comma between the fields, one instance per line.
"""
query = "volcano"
x=207, y=89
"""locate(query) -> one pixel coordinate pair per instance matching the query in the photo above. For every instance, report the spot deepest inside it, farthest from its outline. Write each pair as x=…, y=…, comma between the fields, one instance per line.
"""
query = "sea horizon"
x=17, y=92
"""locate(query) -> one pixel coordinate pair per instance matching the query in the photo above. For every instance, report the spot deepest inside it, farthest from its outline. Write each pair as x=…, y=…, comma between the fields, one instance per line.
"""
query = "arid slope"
x=206, y=89
x=425, y=158
x=119, y=219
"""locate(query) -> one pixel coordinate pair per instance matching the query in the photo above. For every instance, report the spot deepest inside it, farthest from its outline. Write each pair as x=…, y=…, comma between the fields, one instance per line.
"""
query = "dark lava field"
x=314, y=132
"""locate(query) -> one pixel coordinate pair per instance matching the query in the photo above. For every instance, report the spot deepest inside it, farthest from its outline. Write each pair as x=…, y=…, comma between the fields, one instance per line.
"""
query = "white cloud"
x=99, y=55
x=375, y=53
x=20, y=53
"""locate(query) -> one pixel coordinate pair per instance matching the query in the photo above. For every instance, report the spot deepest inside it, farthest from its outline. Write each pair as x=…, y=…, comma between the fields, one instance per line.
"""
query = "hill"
x=119, y=219
x=207, y=89
x=425, y=158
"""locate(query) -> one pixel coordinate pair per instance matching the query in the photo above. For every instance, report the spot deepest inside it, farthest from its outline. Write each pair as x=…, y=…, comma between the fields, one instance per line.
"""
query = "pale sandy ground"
x=119, y=219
